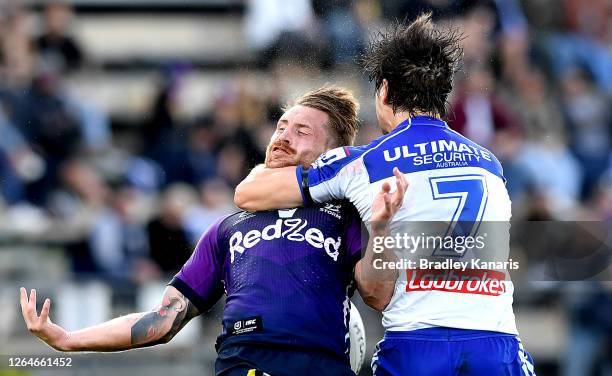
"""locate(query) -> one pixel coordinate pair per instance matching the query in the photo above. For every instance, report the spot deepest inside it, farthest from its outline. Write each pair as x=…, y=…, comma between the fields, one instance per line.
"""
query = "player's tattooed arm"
x=161, y=324
x=131, y=331
x=268, y=188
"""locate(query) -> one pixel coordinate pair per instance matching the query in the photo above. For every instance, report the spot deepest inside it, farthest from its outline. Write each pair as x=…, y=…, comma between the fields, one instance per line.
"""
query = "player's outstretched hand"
x=385, y=203
x=41, y=326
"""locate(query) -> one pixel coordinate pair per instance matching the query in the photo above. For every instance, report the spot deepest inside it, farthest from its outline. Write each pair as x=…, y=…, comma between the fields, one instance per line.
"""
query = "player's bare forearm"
x=123, y=333
x=375, y=283
x=113, y=335
x=268, y=188
x=138, y=329
x=375, y=280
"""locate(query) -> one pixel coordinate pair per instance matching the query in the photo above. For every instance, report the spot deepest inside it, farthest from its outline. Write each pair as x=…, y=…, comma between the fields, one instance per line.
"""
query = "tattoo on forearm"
x=151, y=328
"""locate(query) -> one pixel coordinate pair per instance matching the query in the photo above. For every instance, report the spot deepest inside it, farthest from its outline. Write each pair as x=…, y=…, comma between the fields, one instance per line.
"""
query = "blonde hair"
x=341, y=107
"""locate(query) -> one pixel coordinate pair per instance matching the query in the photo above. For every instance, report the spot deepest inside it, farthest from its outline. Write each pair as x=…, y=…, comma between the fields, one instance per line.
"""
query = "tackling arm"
x=132, y=331
x=376, y=286
x=268, y=188
x=375, y=283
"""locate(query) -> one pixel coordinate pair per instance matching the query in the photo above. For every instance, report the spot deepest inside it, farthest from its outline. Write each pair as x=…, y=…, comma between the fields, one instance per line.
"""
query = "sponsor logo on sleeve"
x=331, y=209
x=330, y=157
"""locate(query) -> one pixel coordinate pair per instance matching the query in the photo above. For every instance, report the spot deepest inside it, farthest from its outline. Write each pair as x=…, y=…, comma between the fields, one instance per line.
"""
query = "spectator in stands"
x=231, y=130
x=94, y=124
x=43, y=115
x=478, y=29
x=12, y=189
x=476, y=111
x=513, y=38
x=542, y=123
x=585, y=43
x=535, y=107
x=562, y=182
x=55, y=43
x=410, y=9
x=169, y=243
x=143, y=174
x=282, y=29
x=119, y=243
x=200, y=150
x=79, y=201
x=232, y=164
x=216, y=200
x=342, y=27
x=15, y=48
x=519, y=182
x=590, y=307
x=157, y=130
x=19, y=165
x=164, y=136
x=588, y=113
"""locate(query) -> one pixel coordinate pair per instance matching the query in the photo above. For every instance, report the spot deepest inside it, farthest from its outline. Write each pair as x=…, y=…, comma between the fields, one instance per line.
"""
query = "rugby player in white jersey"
x=464, y=324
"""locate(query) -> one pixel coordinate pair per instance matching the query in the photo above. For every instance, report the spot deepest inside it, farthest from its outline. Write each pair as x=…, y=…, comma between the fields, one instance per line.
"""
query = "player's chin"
x=276, y=162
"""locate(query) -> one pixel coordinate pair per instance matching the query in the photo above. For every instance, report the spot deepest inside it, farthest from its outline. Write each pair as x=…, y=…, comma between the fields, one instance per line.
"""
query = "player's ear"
x=383, y=92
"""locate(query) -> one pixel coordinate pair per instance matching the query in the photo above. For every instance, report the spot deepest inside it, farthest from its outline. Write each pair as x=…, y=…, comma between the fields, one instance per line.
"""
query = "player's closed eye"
x=303, y=130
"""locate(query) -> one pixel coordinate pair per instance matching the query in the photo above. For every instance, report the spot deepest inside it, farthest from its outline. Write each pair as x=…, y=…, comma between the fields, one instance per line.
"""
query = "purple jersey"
x=286, y=273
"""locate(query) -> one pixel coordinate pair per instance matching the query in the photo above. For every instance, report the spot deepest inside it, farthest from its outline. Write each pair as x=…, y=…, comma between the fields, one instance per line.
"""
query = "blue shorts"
x=256, y=360
x=453, y=352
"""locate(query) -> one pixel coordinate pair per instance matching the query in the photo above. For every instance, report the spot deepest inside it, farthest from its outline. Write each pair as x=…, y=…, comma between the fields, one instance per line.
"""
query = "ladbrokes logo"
x=473, y=281
x=294, y=229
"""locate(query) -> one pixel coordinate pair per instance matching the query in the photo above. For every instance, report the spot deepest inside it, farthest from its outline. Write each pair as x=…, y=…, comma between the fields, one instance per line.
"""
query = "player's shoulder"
x=342, y=164
x=381, y=141
x=495, y=165
x=339, y=157
x=228, y=221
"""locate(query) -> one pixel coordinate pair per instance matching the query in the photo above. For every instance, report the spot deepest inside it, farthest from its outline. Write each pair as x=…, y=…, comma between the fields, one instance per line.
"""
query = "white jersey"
x=451, y=179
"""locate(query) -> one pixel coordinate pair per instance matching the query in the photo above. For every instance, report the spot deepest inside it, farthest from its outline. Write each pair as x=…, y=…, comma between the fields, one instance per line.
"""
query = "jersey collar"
x=428, y=120
x=420, y=120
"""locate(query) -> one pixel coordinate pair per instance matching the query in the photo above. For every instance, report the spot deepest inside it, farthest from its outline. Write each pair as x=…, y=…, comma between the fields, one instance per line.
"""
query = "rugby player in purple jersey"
x=287, y=273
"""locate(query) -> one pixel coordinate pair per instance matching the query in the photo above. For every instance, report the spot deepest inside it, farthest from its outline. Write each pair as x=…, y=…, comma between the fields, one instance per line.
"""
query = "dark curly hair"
x=418, y=61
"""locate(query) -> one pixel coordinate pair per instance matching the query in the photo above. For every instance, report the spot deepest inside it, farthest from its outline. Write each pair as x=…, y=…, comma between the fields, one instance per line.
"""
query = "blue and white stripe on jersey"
x=418, y=144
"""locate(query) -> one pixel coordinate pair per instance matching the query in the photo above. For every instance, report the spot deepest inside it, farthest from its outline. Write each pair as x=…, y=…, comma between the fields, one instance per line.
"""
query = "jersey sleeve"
x=200, y=278
x=330, y=176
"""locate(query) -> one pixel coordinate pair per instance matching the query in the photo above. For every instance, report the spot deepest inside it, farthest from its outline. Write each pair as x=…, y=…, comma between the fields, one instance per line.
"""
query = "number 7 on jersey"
x=471, y=194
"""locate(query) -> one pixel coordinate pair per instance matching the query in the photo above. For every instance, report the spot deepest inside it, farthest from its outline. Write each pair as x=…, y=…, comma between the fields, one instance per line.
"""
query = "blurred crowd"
x=535, y=87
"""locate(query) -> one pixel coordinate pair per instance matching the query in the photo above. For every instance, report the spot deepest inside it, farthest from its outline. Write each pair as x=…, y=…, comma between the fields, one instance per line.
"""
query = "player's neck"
x=400, y=117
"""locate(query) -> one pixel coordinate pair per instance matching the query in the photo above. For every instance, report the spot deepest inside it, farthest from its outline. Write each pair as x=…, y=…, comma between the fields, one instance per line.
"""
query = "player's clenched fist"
x=41, y=326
